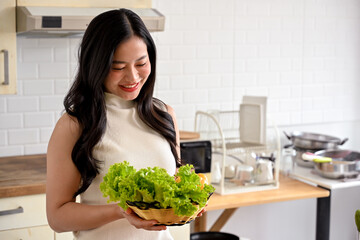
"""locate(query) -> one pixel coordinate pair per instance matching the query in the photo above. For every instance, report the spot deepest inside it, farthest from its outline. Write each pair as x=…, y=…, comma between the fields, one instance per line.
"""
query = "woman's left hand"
x=138, y=222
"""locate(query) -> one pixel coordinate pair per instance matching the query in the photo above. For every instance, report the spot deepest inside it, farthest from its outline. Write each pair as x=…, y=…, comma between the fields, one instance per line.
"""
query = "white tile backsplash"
x=30, y=149
x=2, y=105
x=21, y=104
x=38, y=87
x=11, y=121
x=40, y=119
x=302, y=54
x=3, y=137
x=54, y=70
x=38, y=54
x=23, y=136
x=10, y=150
x=27, y=71
x=51, y=103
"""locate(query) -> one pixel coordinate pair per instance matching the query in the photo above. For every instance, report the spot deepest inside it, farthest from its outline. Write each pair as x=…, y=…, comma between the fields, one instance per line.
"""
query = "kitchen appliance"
x=344, y=164
x=197, y=153
x=315, y=141
x=303, y=142
x=65, y=21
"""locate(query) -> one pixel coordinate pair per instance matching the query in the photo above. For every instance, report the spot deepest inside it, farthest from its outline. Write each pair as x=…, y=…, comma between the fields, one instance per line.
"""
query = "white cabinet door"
x=180, y=232
x=64, y=236
x=7, y=47
x=22, y=212
x=34, y=233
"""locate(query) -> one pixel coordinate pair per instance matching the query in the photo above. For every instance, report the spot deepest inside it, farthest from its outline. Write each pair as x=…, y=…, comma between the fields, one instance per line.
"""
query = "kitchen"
x=303, y=55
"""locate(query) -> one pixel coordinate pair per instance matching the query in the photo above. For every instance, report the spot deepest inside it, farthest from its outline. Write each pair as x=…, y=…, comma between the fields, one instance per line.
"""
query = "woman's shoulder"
x=162, y=105
x=170, y=110
x=68, y=123
x=66, y=133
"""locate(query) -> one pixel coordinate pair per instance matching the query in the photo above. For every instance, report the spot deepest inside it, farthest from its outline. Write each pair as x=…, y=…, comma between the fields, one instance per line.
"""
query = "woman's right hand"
x=138, y=222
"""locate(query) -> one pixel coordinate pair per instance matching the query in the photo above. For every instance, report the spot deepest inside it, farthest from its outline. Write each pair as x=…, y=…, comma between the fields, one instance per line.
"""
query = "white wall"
x=303, y=54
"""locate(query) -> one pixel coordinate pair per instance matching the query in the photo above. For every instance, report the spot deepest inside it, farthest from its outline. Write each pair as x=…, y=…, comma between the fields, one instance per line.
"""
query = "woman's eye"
x=142, y=64
x=119, y=69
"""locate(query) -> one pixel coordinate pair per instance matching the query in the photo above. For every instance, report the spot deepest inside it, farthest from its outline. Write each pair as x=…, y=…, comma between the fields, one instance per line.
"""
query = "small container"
x=230, y=171
x=264, y=171
x=287, y=161
x=244, y=173
x=216, y=173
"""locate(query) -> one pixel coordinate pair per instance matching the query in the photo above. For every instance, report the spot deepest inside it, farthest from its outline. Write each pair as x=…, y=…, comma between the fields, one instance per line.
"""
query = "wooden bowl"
x=165, y=216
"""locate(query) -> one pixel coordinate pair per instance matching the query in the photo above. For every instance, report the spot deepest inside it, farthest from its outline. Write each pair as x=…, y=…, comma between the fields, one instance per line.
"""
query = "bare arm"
x=63, y=180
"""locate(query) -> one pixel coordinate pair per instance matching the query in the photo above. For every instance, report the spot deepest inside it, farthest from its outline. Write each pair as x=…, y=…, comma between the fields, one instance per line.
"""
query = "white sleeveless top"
x=128, y=138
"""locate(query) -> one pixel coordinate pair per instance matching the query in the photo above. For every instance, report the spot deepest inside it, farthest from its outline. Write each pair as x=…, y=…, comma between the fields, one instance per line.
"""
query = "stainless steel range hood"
x=66, y=21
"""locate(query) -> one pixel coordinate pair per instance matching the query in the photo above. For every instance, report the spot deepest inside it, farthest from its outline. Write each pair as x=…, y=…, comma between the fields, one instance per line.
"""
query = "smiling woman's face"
x=130, y=69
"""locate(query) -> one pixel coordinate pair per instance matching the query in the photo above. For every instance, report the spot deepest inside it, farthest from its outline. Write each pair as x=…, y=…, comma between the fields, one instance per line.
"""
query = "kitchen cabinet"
x=34, y=233
x=24, y=217
x=8, y=31
x=7, y=47
x=87, y=3
x=64, y=236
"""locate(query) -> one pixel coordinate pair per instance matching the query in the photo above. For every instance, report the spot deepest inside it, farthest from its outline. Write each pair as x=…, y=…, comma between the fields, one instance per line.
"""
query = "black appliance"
x=197, y=153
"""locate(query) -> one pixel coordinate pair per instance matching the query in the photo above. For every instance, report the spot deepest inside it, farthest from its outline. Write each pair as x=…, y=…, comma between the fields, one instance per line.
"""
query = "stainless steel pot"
x=300, y=161
x=344, y=164
x=314, y=141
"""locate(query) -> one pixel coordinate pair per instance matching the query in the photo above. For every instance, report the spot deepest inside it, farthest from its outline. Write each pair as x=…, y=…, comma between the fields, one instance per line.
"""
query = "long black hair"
x=85, y=99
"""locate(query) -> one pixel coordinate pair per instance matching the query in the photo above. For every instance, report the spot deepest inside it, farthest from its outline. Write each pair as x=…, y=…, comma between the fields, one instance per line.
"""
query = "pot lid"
x=314, y=137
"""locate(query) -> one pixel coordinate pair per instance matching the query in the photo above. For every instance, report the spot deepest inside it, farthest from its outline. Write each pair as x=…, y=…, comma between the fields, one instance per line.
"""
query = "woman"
x=111, y=116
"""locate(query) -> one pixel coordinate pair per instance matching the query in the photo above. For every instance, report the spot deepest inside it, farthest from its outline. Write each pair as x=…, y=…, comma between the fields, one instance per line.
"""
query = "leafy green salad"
x=154, y=187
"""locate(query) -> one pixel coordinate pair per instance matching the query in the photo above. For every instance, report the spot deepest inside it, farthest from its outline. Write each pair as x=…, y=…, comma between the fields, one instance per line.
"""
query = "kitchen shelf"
x=222, y=128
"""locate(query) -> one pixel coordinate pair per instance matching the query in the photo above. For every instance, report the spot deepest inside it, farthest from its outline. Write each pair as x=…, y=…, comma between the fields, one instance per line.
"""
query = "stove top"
x=310, y=176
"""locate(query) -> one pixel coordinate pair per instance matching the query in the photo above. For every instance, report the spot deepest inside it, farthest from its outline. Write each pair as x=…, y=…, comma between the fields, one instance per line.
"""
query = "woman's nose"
x=132, y=73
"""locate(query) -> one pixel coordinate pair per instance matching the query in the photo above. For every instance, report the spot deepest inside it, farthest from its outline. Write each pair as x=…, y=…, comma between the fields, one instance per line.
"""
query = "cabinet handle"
x=6, y=67
x=12, y=211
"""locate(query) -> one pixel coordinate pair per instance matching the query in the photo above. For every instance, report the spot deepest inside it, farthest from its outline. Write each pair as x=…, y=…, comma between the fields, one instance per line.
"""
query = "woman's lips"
x=130, y=87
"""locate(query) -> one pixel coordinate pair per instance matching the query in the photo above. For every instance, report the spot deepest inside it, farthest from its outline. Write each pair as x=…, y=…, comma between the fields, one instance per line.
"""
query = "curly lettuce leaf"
x=155, y=186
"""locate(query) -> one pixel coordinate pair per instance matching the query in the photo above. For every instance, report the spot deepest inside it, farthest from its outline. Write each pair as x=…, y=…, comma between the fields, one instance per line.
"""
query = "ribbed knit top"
x=128, y=138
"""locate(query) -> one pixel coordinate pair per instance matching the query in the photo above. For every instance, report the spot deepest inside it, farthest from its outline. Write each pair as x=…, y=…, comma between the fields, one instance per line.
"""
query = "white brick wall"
x=302, y=54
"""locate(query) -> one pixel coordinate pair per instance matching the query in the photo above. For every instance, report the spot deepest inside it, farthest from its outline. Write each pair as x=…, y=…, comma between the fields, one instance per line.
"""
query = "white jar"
x=287, y=161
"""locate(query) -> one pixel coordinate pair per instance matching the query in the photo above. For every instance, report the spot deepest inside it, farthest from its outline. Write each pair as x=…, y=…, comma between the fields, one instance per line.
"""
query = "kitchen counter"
x=309, y=175
x=25, y=175
x=22, y=175
x=289, y=189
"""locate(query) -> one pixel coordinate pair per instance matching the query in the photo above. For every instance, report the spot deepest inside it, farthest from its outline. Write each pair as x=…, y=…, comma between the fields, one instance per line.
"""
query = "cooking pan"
x=213, y=236
x=344, y=164
x=313, y=141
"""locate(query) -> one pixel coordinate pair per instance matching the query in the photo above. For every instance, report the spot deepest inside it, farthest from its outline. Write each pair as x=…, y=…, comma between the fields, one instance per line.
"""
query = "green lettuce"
x=154, y=187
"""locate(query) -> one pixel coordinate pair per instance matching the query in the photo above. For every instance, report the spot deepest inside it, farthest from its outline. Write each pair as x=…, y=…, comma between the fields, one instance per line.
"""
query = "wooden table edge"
x=288, y=191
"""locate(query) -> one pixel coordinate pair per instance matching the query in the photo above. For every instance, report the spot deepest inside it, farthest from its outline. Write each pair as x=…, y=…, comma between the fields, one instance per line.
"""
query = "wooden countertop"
x=26, y=175
x=186, y=135
x=22, y=175
x=290, y=189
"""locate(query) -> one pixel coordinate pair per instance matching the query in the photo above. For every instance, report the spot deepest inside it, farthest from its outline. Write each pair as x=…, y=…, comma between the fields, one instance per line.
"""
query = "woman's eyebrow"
x=122, y=62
